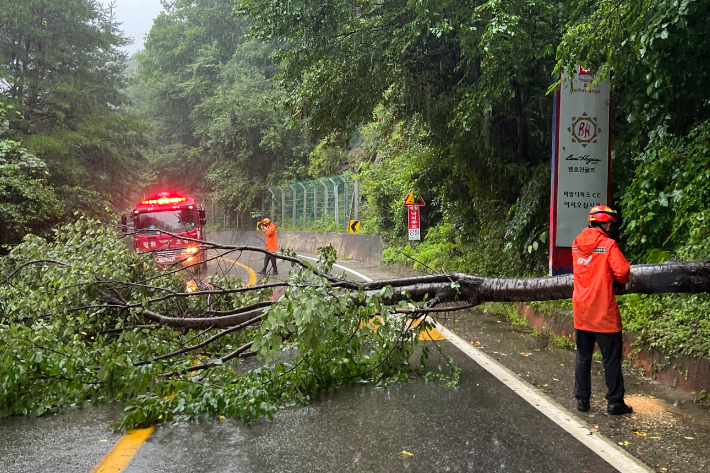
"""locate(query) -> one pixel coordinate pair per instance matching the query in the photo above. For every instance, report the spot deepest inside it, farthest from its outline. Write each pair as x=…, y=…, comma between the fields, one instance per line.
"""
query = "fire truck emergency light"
x=164, y=200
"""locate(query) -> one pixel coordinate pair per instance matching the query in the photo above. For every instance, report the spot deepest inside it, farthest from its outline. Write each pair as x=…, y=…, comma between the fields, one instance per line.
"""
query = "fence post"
x=315, y=202
x=305, y=203
x=283, y=205
x=325, y=195
x=346, y=211
x=335, y=199
x=293, y=210
x=273, y=201
x=356, y=198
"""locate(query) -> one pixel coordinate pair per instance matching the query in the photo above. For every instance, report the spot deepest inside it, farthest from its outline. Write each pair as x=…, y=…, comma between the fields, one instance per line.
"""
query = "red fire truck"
x=182, y=218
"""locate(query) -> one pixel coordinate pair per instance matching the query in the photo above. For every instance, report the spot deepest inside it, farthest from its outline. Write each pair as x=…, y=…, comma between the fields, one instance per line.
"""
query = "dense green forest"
x=452, y=99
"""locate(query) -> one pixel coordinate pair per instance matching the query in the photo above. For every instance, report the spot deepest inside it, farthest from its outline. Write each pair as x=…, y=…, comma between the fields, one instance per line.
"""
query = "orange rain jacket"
x=270, y=232
x=597, y=261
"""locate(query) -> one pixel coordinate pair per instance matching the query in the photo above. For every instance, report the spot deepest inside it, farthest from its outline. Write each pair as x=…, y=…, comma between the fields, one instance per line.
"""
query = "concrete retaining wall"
x=686, y=373
x=365, y=248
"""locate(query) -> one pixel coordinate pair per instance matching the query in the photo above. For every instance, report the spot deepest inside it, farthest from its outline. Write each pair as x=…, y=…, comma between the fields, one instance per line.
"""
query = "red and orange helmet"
x=266, y=221
x=601, y=213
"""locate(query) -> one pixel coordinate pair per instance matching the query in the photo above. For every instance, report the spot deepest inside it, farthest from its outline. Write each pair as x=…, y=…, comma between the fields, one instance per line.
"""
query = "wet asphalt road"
x=478, y=426
x=73, y=441
x=481, y=425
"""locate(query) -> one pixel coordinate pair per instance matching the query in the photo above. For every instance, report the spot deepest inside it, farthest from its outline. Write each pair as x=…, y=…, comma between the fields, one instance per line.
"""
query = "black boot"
x=618, y=408
x=583, y=405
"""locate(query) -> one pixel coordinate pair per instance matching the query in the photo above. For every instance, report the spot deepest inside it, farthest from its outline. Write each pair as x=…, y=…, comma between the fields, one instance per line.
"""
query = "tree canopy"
x=61, y=68
x=206, y=91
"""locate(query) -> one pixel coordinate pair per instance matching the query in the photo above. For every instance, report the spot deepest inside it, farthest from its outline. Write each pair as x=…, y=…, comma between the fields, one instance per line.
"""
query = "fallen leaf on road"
x=536, y=349
x=525, y=354
x=404, y=452
x=222, y=418
x=555, y=379
x=689, y=438
x=596, y=427
x=562, y=364
x=642, y=434
x=103, y=440
x=657, y=438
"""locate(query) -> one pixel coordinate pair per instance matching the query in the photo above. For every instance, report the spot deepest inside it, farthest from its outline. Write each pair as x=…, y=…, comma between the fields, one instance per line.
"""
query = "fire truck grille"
x=171, y=252
x=169, y=256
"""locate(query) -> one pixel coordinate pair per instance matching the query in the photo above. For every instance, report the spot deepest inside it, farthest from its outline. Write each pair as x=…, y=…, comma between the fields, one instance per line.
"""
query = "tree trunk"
x=671, y=277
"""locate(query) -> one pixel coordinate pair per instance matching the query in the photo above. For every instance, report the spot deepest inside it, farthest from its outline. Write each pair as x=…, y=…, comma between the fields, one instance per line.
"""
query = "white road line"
x=605, y=448
x=360, y=275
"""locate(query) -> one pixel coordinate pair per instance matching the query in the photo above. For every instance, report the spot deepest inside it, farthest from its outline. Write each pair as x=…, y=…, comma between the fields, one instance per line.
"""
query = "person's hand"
x=618, y=287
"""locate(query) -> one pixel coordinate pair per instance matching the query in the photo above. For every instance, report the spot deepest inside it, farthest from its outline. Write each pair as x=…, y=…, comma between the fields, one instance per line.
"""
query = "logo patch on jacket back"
x=584, y=261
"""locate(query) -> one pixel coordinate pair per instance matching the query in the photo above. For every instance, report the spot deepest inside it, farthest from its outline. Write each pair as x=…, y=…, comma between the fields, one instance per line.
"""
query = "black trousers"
x=271, y=258
x=610, y=344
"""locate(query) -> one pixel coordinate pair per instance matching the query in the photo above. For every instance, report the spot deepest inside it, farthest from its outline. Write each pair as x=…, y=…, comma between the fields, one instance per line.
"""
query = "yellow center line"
x=252, y=273
x=121, y=454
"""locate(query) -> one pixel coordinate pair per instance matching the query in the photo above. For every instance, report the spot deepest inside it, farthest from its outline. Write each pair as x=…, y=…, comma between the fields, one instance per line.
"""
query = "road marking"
x=428, y=334
x=360, y=275
x=121, y=454
x=606, y=449
x=252, y=273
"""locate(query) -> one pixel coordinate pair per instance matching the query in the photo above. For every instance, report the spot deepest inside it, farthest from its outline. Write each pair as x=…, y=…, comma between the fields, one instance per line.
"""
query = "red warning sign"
x=413, y=222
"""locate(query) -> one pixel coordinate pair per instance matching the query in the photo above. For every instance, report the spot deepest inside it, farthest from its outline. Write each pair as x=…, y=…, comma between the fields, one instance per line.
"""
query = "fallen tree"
x=85, y=320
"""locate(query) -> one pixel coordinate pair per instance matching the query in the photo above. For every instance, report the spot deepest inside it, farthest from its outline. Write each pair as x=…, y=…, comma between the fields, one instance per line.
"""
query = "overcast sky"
x=136, y=17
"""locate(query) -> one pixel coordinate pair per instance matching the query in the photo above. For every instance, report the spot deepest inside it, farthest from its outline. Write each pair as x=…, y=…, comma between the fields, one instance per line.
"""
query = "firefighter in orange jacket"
x=271, y=245
x=598, y=262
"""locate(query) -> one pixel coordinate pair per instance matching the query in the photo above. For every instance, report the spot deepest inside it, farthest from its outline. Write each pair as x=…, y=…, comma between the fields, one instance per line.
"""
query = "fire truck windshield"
x=170, y=221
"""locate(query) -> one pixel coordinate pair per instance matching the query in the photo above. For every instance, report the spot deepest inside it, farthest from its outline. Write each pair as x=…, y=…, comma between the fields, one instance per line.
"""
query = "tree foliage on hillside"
x=473, y=78
x=27, y=203
x=206, y=91
x=61, y=68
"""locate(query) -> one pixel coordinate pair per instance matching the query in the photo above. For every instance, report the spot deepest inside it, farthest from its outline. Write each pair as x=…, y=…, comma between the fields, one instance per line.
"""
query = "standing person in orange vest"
x=598, y=262
x=271, y=245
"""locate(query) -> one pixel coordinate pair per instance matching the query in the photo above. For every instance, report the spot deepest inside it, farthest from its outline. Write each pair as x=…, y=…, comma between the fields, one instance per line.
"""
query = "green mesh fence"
x=303, y=204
